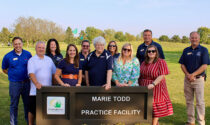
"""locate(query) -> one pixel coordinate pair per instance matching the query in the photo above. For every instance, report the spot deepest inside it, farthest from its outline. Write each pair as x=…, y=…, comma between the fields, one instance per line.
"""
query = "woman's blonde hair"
x=121, y=55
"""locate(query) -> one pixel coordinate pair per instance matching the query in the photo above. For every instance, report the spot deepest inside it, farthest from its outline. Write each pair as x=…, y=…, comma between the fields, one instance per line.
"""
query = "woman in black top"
x=53, y=51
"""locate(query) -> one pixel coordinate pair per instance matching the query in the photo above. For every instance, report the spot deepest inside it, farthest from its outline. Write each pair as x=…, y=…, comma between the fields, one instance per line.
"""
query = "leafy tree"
x=129, y=37
x=109, y=34
x=119, y=36
x=5, y=35
x=69, y=37
x=82, y=36
x=33, y=29
x=175, y=38
x=204, y=34
x=185, y=39
x=138, y=37
x=164, y=38
x=93, y=32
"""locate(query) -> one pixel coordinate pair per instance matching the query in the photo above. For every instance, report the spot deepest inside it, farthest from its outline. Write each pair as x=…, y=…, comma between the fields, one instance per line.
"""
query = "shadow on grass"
x=180, y=117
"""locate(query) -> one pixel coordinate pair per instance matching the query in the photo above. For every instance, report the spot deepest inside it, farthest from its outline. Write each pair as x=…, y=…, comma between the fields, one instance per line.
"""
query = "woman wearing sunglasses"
x=153, y=71
x=113, y=49
x=126, y=68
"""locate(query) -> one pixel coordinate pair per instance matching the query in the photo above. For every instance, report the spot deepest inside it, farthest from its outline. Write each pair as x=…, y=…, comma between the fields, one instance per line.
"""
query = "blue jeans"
x=15, y=90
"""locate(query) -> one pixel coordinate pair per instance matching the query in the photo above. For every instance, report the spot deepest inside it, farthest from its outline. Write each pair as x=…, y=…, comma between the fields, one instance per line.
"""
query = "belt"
x=24, y=81
x=197, y=77
x=70, y=76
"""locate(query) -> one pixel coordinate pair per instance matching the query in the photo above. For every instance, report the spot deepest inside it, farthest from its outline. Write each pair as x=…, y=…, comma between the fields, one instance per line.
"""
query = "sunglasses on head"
x=112, y=45
x=85, y=46
x=151, y=51
x=124, y=49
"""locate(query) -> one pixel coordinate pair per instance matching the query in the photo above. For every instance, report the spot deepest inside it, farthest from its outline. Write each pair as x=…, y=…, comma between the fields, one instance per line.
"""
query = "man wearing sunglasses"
x=85, y=50
x=147, y=35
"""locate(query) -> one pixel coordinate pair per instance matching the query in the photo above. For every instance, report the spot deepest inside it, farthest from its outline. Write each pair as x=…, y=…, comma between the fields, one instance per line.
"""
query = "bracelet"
x=153, y=84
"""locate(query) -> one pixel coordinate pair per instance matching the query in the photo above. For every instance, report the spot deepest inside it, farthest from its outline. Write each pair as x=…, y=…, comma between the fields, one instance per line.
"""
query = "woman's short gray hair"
x=99, y=39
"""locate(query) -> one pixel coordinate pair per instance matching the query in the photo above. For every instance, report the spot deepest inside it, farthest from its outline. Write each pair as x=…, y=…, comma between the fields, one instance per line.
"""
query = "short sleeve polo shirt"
x=16, y=65
x=67, y=69
x=56, y=58
x=82, y=62
x=194, y=58
x=97, y=67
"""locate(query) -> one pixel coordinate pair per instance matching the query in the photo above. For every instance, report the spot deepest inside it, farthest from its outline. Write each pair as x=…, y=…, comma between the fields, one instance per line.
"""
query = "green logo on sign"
x=57, y=104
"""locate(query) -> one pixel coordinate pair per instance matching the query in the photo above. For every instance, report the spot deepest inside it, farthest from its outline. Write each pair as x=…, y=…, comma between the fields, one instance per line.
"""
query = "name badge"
x=58, y=58
x=142, y=50
x=81, y=59
x=102, y=56
x=15, y=59
x=190, y=53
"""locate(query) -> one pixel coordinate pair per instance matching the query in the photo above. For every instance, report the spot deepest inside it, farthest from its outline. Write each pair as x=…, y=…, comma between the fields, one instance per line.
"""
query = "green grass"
x=175, y=83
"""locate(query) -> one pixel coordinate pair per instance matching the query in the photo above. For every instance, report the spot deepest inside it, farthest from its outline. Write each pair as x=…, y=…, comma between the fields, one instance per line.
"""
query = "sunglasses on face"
x=85, y=46
x=124, y=49
x=112, y=45
x=151, y=51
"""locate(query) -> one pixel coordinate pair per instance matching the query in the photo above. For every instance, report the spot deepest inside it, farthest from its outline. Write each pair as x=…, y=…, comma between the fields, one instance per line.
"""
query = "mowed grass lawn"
x=175, y=82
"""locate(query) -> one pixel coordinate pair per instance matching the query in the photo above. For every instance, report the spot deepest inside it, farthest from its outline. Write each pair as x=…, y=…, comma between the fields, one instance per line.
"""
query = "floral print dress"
x=130, y=71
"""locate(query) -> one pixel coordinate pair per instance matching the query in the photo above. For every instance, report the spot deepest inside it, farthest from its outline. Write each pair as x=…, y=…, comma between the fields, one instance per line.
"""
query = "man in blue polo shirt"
x=194, y=61
x=82, y=57
x=98, y=65
x=14, y=64
x=147, y=35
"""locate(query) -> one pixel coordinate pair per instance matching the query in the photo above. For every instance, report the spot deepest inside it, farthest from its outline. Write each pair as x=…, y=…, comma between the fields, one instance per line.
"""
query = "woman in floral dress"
x=126, y=68
x=153, y=71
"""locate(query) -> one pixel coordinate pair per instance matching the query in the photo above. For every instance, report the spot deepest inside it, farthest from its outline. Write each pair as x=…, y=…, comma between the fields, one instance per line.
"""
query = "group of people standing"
x=105, y=68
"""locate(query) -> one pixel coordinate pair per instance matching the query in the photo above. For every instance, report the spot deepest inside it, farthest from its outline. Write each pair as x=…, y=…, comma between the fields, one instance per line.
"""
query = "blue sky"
x=163, y=17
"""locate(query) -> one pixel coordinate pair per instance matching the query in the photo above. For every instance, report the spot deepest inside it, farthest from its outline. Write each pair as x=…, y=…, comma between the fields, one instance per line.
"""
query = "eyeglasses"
x=151, y=51
x=124, y=49
x=85, y=46
x=112, y=45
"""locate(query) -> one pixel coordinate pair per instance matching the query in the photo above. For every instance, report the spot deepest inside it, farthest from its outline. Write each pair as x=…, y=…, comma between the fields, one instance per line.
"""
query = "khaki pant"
x=195, y=88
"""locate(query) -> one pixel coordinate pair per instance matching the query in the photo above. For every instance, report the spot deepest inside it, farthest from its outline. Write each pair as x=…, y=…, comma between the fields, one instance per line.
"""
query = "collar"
x=198, y=47
x=116, y=54
x=81, y=55
x=16, y=53
x=152, y=43
x=51, y=55
x=102, y=54
x=36, y=56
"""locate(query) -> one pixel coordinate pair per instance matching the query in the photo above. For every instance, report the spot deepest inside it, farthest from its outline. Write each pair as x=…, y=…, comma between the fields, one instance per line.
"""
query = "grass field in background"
x=174, y=82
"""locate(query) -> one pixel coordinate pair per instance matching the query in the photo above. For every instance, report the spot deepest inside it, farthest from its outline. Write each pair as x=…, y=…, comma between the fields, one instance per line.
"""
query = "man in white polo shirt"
x=41, y=70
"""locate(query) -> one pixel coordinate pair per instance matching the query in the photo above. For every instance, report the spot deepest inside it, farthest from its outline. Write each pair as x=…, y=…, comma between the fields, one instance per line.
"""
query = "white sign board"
x=55, y=105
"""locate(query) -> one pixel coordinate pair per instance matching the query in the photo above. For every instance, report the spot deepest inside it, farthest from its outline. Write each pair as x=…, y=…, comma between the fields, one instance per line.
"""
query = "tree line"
x=204, y=36
x=35, y=29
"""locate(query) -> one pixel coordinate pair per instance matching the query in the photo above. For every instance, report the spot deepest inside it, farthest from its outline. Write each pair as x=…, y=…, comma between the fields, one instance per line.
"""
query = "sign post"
x=93, y=105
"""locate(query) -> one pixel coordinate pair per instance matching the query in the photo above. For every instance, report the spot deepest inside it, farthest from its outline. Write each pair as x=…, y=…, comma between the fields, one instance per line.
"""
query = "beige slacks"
x=195, y=88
